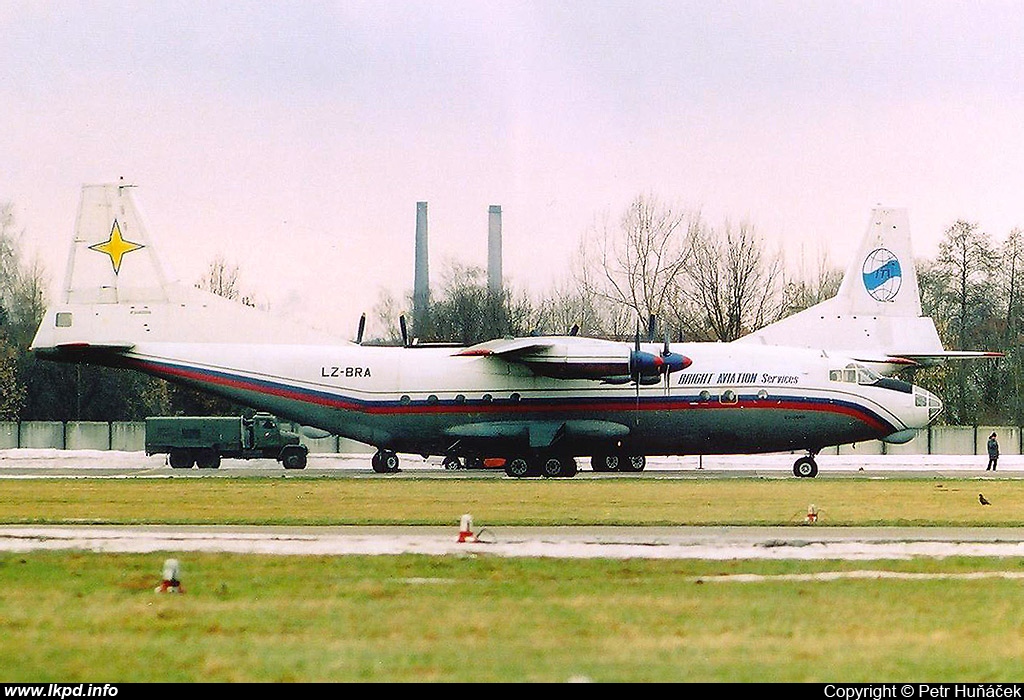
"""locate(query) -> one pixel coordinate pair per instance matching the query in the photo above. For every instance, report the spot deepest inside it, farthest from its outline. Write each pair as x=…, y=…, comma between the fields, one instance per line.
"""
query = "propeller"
x=647, y=366
x=575, y=329
x=362, y=327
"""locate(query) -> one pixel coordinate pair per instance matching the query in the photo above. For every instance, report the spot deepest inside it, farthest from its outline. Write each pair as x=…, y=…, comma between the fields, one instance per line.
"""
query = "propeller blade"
x=362, y=327
x=405, y=331
x=652, y=323
x=575, y=329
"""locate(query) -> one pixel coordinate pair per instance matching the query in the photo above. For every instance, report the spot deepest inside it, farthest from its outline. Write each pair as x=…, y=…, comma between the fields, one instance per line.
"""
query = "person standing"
x=993, y=452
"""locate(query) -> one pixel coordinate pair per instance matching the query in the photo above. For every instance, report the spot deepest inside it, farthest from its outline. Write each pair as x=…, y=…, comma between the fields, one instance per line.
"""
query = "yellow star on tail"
x=116, y=246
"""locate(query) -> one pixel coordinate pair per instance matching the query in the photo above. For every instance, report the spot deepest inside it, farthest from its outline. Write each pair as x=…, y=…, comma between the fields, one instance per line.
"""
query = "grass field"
x=83, y=617
x=632, y=501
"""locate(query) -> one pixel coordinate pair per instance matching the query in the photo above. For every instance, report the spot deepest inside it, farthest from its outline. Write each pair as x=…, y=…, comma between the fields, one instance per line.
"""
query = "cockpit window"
x=855, y=373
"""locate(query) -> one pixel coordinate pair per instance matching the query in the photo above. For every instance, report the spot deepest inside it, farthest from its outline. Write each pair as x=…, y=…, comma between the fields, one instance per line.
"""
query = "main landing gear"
x=550, y=465
x=806, y=467
x=384, y=462
x=617, y=462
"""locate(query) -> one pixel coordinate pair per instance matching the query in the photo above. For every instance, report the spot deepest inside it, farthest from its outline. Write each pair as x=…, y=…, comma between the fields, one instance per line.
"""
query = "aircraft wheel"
x=552, y=466
x=207, y=459
x=389, y=460
x=805, y=467
x=181, y=459
x=452, y=462
x=517, y=467
x=569, y=467
x=605, y=462
x=293, y=458
x=633, y=463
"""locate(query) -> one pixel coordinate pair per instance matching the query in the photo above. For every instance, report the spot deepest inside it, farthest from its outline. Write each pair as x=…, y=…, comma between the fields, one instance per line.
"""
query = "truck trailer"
x=203, y=440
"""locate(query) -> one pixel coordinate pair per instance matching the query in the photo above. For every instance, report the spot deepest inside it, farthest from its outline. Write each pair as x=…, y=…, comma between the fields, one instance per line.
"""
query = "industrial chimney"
x=494, y=249
x=421, y=280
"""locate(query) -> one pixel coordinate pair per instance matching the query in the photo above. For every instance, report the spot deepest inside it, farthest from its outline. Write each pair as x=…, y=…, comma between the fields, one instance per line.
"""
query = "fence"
x=131, y=437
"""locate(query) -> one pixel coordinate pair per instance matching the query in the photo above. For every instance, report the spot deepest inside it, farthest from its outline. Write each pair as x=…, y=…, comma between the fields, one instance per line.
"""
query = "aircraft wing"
x=560, y=357
x=573, y=357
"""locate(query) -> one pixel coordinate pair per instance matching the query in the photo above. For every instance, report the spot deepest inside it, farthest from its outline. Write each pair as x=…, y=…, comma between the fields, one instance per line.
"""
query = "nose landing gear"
x=806, y=467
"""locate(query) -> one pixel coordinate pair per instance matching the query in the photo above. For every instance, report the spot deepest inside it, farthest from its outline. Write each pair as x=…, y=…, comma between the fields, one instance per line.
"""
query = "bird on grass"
x=983, y=501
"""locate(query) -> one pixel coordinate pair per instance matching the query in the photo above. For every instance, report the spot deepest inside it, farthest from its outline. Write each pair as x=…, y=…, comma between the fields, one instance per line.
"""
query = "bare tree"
x=222, y=279
x=733, y=285
x=637, y=266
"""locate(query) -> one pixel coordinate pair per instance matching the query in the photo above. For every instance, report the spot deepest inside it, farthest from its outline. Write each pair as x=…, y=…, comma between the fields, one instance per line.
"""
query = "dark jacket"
x=993, y=447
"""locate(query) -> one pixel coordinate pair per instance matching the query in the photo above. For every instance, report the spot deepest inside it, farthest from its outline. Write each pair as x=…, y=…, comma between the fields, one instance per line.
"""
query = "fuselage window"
x=405, y=400
x=728, y=396
x=487, y=398
x=432, y=399
x=705, y=395
x=514, y=398
x=762, y=394
x=460, y=399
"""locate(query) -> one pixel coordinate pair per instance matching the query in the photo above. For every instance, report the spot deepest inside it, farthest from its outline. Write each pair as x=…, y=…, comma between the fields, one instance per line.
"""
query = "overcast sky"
x=295, y=138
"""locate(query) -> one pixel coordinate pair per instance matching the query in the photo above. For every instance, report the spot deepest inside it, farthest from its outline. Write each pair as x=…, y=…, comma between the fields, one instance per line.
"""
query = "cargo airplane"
x=820, y=378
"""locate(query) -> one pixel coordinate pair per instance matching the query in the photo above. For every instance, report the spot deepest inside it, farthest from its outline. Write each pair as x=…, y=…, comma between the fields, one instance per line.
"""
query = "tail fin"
x=112, y=259
x=117, y=294
x=876, y=315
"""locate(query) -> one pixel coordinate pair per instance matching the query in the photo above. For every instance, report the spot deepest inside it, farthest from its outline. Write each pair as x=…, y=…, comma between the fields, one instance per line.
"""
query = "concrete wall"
x=327, y=445
x=917, y=446
x=8, y=435
x=952, y=439
x=41, y=434
x=1008, y=437
x=872, y=447
x=346, y=446
x=128, y=437
x=83, y=435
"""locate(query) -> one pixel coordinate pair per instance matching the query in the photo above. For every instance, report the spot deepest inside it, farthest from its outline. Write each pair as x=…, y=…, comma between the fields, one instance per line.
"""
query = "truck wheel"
x=207, y=459
x=181, y=459
x=293, y=458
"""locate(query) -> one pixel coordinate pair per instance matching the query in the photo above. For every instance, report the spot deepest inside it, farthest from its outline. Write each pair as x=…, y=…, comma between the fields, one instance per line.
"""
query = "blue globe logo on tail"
x=882, y=274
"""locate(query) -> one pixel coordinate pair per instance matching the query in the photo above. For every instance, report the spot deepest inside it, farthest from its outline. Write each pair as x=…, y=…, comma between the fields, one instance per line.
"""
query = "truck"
x=203, y=440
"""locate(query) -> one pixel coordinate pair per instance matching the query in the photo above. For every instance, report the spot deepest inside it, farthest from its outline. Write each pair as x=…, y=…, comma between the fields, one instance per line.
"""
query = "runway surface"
x=795, y=542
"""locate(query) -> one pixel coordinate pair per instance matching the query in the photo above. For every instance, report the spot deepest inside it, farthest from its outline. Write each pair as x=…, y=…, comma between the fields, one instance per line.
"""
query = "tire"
x=207, y=458
x=633, y=463
x=376, y=463
x=552, y=466
x=569, y=467
x=517, y=467
x=805, y=468
x=451, y=462
x=181, y=459
x=293, y=458
x=389, y=461
x=606, y=462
